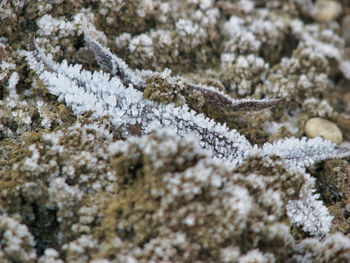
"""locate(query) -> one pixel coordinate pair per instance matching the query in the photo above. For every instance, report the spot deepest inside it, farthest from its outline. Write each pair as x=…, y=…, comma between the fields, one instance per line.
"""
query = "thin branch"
x=223, y=101
x=114, y=65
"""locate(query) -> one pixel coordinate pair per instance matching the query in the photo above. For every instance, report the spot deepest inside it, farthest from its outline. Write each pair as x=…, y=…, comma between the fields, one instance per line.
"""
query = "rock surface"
x=323, y=128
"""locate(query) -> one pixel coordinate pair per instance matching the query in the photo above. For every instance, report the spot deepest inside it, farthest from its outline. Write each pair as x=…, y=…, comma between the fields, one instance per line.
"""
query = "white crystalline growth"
x=98, y=92
x=303, y=152
x=121, y=98
x=13, y=96
x=31, y=163
x=310, y=214
x=8, y=8
x=17, y=243
x=48, y=25
x=186, y=27
x=334, y=248
x=142, y=42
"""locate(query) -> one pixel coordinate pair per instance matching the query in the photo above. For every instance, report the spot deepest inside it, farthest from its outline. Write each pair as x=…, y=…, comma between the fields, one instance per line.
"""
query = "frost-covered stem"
x=305, y=151
x=114, y=65
x=132, y=114
x=129, y=111
x=222, y=142
x=117, y=67
x=221, y=100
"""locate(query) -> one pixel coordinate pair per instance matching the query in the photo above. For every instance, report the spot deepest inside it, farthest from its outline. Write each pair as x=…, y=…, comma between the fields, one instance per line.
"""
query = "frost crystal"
x=97, y=92
x=304, y=152
x=119, y=95
x=310, y=214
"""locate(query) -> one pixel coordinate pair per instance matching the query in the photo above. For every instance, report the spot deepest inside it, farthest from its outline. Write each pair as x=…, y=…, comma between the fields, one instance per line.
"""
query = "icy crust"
x=76, y=191
x=17, y=243
x=98, y=92
x=131, y=114
x=209, y=202
x=334, y=247
x=159, y=190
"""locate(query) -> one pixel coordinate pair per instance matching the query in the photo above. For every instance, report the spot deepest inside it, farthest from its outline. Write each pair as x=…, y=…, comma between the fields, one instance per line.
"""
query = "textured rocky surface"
x=81, y=183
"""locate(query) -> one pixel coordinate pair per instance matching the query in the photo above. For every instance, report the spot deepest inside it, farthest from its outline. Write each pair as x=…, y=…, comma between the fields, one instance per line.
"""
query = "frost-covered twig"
x=114, y=65
x=221, y=100
x=304, y=152
x=120, y=96
x=129, y=112
x=117, y=67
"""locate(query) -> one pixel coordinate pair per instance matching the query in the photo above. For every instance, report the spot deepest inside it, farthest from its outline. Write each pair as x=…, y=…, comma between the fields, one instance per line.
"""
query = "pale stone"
x=323, y=128
x=327, y=10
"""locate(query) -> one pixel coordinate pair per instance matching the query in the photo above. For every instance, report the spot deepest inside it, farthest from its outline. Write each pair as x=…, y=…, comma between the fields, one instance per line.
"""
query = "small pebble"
x=324, y=128
x=327, y=10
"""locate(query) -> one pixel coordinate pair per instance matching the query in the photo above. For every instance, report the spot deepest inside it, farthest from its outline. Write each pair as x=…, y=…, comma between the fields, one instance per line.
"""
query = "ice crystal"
x=303, y=152
x=121, y=98
x=119, y=95
x=335, y=247
x=310, y=214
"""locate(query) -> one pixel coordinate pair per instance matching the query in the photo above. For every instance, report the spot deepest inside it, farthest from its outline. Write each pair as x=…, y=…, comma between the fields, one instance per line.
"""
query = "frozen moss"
x=76, y=189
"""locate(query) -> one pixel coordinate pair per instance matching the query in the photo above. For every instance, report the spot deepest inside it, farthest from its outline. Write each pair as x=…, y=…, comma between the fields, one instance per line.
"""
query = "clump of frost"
x=289, y=121
x=108, y=96
x=239, y=39
x=50, y=256
x=317, y=107
x=64, y=195
x=13, y=109
x=344, y=67
x=310, y=214
x=8, y=9
x=78, y=250
x=6, y=67
x=12, y=83
x=129, y=112
x=142, y=46
x=303, y=152
x=334, y=248
x=257, y=256
x=31, y=163
x=49, y=25
x=17, y=243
